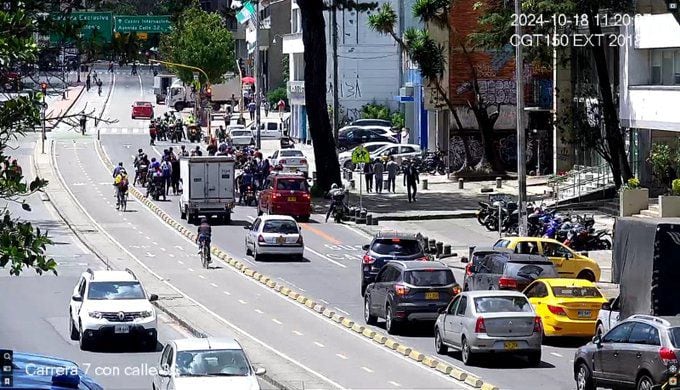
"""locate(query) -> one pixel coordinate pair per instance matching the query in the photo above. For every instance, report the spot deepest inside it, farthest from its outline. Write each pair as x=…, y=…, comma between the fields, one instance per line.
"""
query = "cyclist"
x=121, y=183
x=204, y=235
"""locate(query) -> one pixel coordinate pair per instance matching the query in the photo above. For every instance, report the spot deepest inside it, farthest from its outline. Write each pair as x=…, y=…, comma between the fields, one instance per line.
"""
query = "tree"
x=23, y=245
x=199, y=39
x=428, y=54
x=598, y=126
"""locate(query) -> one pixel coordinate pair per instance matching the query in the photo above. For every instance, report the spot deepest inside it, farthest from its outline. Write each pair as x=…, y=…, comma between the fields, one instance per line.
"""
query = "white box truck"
x=161, y=85
x=208, y=187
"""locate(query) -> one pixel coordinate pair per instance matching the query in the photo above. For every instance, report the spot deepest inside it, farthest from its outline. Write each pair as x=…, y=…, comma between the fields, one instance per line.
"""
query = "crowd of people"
x=374, y=175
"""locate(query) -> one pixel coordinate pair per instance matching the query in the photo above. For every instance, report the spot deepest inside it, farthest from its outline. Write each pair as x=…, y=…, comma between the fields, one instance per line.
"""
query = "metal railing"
x=583, y=180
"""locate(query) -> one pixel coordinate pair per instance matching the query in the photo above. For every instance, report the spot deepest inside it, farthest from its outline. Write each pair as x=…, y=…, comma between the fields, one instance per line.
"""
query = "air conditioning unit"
x=406, y=91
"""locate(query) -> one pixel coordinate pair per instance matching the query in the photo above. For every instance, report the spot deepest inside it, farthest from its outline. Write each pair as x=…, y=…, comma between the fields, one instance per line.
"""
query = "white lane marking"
x=258, y=311
x=277, y=321
x=341, y=356
x=171, y=255
x=190, y=269
x=179, y=247
x=154, y=242
x=340, y=310
x=366, y=369
x=180, y=261
x=556, y=354
x=134, y=227
x=201, y=276
x=214, y=285
x=141, y=87
x=162, y=249
x=301, y=289
x=241, y=301
x=357, y=231
x=298, y=333
x=124, y=219
x=325, y=257
x=395, y=384
x=318, y=344
x=324, y=301
x=251, y=218
x=148, y=238
x=226, y=292
x=148, y=254
x=248, y=261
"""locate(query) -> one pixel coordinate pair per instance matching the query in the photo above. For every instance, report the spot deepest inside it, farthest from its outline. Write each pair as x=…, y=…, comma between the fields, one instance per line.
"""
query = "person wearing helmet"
x=117, y=169
x=337, y=196
x=204, y=234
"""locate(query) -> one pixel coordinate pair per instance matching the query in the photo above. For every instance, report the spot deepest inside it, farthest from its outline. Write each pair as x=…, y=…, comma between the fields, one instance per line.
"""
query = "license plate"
x=291, y=199
x=584, y=313
x=431, y=295
x=510, y=345
x=280, y=240
x=119, y=329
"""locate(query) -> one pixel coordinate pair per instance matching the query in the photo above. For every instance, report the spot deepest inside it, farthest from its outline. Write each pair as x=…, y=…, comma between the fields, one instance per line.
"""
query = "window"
x=276, y=154
x=675, y=336
x=502, y=304
x=408, y=149
x=462, y=306
x=165, y=357
x=619, y=334
x=396, y=247
x=435, y=277
x=665, y=67
x=291, y=153
x=644, y=334
x=531, y=271
x=81, y=287
x=115, y=290
x=256, y=224
x=501, y=244
x=226, y=362
x=527, y=248
x=280, y=226
x=452, y=307
x=291, y=185
x=552, y=249
x=576, y=292
x=296, y=23
x=538, y=290
x=497, y=264
x=390, y=274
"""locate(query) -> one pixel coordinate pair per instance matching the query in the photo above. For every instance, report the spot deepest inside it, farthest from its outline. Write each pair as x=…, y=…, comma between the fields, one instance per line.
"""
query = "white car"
x=277, y=235
x=242, y=137
x=398, y=151
x=291, y=160
x=345, y=158
x=111, y=304
x=382, y=130
x=206, y=364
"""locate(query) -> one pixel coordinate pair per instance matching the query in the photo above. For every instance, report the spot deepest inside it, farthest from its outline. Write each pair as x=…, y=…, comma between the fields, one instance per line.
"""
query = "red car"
x=142, y=110
x=285, y=194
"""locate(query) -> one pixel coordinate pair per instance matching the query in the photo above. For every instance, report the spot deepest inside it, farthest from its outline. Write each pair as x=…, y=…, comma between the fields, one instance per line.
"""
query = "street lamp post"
x=521, y=135
x=257, y=74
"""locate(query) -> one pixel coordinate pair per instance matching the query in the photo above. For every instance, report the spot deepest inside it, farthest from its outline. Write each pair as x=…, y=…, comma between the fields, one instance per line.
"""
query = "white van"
x=270, y=128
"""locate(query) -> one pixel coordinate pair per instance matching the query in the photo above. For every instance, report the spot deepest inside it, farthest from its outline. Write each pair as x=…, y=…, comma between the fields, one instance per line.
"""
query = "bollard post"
x=461, y=184
x=432, y=245
x=440, y=248
x=499, y=182
x=425, y=182
x=426, y=244
x=369, y=219
x=375, y=221
x=362, y=217
x=352, y=184
x=447, y=249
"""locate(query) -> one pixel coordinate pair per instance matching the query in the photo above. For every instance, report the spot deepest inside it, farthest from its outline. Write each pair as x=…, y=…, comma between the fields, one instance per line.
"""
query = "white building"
x=650, y=85
x=294, y=48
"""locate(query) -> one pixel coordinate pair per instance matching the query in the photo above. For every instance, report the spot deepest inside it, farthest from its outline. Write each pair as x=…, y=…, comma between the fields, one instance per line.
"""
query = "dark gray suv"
x=640, y=352
x=409, y=291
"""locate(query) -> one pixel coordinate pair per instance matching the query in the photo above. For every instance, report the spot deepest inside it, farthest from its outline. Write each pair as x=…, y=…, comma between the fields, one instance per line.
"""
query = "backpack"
x=165, y=168
x=123, y=185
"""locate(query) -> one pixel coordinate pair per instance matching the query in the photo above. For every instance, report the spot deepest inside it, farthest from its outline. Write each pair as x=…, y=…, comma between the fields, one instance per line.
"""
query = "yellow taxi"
x=568, y=263
x=567, y=307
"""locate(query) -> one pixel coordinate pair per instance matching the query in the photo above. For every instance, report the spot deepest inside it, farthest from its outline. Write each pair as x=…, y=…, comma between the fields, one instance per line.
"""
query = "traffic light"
x=43, y=87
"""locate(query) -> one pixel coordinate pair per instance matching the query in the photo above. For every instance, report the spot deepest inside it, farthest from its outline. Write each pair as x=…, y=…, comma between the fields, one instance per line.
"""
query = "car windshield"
x=531, y=271
x=500, y=304
x=675, y=336
x=291, y=153
x=291, y=185
x=225, y=362
x=434, y=277
x=576, y=292
x=374, y=147
x=281, y=226
x=396, y=246
x=115, y=290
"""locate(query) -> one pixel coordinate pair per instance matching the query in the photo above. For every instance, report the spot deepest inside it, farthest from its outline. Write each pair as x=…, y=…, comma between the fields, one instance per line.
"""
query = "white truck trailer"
x=208, y=187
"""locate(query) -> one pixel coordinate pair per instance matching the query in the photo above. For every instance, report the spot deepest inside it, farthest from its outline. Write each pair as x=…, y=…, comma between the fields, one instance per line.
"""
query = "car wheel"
x=391, y=326
x=256, y=256
x=466, y=353
x=248, y=251
x=370, y=319
x=151, y=344
x=439, y=345
x=644, y=383
x=584, y=379
x=534, y=358
x=599, y=330
x=85, y=345
x=587, y=275
x=72, y=328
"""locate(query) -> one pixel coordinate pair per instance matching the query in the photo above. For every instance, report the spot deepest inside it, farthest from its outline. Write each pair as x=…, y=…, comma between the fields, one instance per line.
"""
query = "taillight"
x=276, y=195
x=505, y=282
x=303, y=161
x=282, y=162
x=401, y=290
x=538, y=325
x=468, y=269
x=260, y=238
x=368, y=259
x=305, y=195
x=456, y=290
x=556, y=310
x=423, y=258
x=667, y=355
x=479, y=325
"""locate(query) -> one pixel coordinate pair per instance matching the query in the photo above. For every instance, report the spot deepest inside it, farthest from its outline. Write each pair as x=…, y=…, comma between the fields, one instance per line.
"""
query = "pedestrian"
x=212, y=147
x=99, y=87
x=368, y=174
x=392, y=169
x=405, y=133
x=197, y=151
x=88, y=82
x=166, y=170
x=174, y=163
x=411, y=180
x=251, y=109
x=83, y=123
x=266, y=108
x=111, y=67
x=281, y=105
x=378, y=170
x=16, y=170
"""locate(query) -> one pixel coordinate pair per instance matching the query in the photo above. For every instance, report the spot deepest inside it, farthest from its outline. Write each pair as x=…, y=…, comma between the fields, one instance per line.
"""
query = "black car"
x=409, y=291
x=509, y=271
x=477, y=254
x=354, y=136
x=388, y=246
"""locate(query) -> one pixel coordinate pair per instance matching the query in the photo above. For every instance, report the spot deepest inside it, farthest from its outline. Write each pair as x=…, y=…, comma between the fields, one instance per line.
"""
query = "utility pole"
x=43, y=111
x=336, y=103
x=521, y=135
x=257, y=74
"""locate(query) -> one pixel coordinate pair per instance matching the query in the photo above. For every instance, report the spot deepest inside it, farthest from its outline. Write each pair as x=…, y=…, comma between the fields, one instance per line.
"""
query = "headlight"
x=95, y=314
x=146, y=313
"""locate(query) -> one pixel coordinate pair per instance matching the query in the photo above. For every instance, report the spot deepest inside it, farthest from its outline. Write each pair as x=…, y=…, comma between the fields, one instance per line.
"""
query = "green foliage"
x=199, y=39
x=277, y=94
x=384, y=20
x=285, y=64
x=632, y=184
x=375, y=111
x=398, y=120
x=675, y=187
x=664, y=160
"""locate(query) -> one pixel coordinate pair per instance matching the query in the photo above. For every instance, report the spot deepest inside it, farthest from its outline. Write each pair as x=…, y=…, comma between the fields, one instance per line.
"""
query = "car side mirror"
x=248, y=227
x=597, y=340
x=365, y=247
x=77, y=298
x=606, y=306
x=463, y=259
x=164, y=373
x=259, y=370
x=153, y=298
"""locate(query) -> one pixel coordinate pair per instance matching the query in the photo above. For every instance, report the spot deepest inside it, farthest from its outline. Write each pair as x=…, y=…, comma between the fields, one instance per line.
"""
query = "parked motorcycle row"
x=430, y=162
x=574, y=231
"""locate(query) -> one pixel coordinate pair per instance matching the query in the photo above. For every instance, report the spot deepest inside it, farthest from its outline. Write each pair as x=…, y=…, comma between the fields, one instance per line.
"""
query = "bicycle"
x=122, y=200
x=205, y=254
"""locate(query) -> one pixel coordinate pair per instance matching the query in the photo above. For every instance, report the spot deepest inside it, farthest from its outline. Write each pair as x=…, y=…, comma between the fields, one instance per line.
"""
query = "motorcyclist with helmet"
x=337, y=196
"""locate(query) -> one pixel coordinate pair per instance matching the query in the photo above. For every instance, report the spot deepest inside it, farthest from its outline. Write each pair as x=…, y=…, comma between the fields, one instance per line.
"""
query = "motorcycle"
x=434, y=163
x=194, y=133
x=156, y=189
x=483, y=212
x=340, y=208
x=249, y=196
x=142, y=171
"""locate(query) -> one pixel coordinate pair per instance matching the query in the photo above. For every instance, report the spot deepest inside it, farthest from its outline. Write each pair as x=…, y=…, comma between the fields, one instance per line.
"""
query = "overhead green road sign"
x=147, y=24
x=99, y=24
x=360, y=155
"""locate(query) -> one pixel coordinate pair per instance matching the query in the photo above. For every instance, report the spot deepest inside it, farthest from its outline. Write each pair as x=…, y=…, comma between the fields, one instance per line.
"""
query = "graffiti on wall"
x=347, y=88
x=498, y=91
x=506, y=145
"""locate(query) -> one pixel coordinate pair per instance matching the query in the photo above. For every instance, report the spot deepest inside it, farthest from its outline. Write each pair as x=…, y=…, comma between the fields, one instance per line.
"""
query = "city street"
x=329, y=272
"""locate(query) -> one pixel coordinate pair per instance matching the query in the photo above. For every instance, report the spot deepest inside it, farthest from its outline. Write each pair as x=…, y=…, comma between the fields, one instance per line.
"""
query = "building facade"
x=294, y=48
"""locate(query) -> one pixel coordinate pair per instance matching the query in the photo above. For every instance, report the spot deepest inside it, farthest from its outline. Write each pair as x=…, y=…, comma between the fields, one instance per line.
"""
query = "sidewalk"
x=58, y=107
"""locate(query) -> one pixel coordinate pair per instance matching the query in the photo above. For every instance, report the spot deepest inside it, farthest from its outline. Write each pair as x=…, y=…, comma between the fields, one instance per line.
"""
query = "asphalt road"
x=329, y=272
x=35, y=308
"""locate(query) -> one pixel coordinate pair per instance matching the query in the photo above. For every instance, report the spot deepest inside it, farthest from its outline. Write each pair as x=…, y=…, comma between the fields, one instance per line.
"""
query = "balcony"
x=292, y=43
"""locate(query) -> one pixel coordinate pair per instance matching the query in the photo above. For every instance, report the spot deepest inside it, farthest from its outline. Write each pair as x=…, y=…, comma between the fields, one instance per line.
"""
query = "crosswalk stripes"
x=123, y=130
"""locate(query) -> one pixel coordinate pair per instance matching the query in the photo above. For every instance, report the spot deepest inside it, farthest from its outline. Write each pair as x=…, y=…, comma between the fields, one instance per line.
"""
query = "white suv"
x=111, y=304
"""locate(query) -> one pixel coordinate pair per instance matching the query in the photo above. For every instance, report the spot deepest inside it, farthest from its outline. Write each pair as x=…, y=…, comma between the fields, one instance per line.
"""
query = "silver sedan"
x=478, y=322
x=277, y=235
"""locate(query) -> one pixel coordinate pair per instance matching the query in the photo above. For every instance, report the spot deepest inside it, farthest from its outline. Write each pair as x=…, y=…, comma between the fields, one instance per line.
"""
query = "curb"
x=343, y=321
